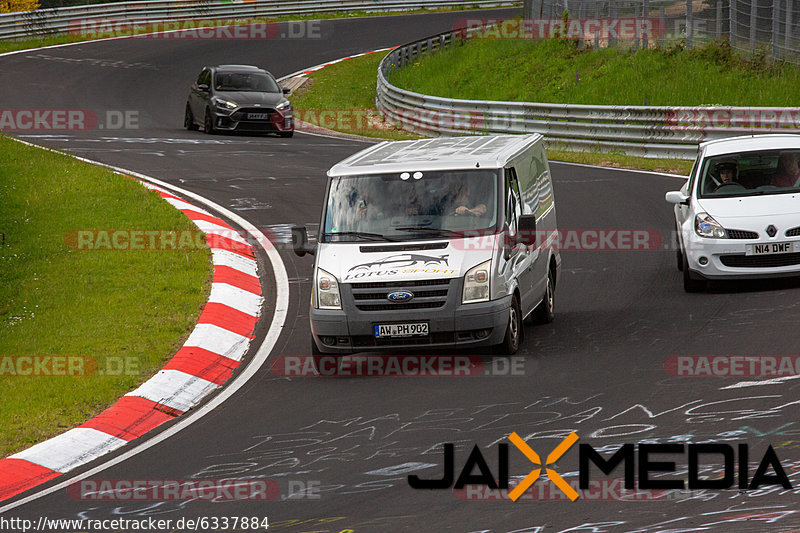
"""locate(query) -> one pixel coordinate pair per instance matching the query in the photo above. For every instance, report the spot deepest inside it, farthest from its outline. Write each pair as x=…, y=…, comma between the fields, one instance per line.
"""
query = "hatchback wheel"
x=208, y=123
x=188, y=119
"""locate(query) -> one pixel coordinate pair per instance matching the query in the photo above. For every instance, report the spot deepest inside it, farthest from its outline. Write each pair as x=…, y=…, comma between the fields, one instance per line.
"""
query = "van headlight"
x=706, y=226
x=327, y=290
x=476, y=283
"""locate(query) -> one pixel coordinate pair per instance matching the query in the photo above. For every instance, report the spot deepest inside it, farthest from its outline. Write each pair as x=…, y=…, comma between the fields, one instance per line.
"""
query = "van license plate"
x=257, y=116
x=771, y=248
x=414, y=329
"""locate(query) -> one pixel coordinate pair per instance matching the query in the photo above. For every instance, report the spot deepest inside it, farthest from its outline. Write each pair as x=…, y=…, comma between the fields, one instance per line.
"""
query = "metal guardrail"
x=661, y=132
x=66, y=19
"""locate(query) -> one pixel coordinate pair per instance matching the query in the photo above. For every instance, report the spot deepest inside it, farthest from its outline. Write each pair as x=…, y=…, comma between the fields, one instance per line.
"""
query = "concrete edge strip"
x=204, y=363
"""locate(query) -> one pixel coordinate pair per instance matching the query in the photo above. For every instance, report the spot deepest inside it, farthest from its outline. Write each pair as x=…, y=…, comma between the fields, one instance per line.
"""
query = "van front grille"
x=372, y=296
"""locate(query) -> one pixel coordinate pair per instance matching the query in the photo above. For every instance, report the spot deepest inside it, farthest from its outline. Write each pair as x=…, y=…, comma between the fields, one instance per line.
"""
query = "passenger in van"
x=463, y=201
x=788, y=170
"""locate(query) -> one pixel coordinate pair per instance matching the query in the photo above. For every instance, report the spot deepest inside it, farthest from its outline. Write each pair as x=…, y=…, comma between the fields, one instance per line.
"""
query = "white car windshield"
x=750, y=173
x=411, y=205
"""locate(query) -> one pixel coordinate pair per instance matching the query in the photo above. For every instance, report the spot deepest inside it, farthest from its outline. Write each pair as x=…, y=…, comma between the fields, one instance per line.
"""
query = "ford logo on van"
x=399, y=296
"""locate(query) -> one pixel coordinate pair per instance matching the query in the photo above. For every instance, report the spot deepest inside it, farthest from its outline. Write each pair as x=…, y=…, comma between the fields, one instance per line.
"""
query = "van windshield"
x=750, y=173
x=410, y=205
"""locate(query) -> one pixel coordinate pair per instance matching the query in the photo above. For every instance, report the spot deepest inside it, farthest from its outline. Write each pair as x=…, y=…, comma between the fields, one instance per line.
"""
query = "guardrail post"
x=753, y=22
x=636, y=16
x=612, y=14
x=776, y=24
x=718, y=33
x=787, y=32
x=663, y=25
x=689, y=24
x=732, y=23
x=645, y=14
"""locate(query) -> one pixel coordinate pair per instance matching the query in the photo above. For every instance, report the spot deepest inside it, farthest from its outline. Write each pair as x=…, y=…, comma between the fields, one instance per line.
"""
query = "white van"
x=446, y=242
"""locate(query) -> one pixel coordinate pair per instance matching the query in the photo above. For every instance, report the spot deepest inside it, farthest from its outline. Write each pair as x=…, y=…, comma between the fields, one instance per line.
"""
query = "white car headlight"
x=476, y=283
x=327, y=290
x=225, y=104
x=706, y=226
x=286, y=104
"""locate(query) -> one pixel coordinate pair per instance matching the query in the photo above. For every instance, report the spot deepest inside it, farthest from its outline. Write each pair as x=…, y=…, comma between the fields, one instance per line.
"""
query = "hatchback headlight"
x=476, y=283
x=706, y=226
x=327, y=290
x=225, y=104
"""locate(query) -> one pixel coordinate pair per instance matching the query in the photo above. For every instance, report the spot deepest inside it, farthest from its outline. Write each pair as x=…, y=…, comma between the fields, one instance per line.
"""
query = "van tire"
x=513, y=336
x=545, y=312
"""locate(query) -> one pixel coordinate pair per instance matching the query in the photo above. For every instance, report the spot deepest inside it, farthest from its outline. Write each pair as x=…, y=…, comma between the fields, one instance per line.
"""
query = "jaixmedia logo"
x=653, y=474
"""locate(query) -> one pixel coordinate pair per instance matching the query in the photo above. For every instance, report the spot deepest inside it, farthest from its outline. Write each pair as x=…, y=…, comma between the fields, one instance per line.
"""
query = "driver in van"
x=463, y=201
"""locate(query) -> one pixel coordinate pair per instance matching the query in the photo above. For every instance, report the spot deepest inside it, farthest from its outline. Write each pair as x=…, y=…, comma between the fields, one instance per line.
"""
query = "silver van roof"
x=441, y=153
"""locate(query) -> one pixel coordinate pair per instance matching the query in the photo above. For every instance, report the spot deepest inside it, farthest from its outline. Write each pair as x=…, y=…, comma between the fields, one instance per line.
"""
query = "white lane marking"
x=175, y=389
x=235, y=261
x=773, y=381
x=71, y=449
x=218, y=340
x=262, y=354
x=186, y=206
x=651, y=172
x=239, y=299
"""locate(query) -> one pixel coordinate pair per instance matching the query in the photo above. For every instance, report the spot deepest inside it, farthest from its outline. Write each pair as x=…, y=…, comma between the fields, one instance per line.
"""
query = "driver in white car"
x=727, y=172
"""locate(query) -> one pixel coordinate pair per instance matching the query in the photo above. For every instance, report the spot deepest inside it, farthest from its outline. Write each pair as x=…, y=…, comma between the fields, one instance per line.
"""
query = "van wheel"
x=287, y=134
x=545, y=312
x=689, y=284
x=511, y=341
x=679, y=257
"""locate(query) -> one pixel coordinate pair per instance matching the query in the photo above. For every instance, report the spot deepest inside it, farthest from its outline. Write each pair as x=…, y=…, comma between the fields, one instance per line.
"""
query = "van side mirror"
x=676, y=197
x=526, y=230
x=300, y=242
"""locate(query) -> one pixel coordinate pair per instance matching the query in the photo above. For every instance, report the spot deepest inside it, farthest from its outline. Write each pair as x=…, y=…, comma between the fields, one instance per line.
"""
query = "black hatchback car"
x=238, y=98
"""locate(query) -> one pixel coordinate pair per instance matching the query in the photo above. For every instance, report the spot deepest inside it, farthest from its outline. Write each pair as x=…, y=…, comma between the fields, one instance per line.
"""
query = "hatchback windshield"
x=750, y=173
x=410, y=205
x=245, y=81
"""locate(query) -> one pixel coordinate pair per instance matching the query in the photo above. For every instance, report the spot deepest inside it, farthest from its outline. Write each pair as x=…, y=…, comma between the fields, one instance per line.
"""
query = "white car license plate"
x=770, y=248
x=257, y=116
x=413, y=329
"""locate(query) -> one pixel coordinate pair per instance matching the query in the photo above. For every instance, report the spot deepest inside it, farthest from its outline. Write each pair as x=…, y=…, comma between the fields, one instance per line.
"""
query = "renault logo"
x=771, y=230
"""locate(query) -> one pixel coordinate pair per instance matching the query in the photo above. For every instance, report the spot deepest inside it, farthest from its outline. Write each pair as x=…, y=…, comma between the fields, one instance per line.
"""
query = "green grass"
x=134, y=305
x=341, y=97
x=49, y=40
x=557, y=71
x=350, y=85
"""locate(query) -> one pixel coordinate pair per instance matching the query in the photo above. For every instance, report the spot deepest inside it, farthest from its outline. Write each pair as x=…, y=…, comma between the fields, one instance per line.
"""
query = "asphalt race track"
x=597, y=370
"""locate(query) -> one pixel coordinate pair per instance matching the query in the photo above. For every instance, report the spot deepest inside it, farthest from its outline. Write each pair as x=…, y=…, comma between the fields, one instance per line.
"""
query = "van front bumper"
x=452, y=325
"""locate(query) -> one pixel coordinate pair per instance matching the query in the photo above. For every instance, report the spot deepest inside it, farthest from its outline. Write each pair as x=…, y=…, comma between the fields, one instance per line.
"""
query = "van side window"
x=513, y=202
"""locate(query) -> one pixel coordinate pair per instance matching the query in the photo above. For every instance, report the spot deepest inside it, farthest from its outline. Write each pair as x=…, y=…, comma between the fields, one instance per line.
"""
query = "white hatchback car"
x=738, y=216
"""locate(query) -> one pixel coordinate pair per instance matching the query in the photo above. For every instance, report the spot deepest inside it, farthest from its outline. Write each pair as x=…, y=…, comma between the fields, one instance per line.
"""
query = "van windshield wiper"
x=425, y=229
x=362, y=234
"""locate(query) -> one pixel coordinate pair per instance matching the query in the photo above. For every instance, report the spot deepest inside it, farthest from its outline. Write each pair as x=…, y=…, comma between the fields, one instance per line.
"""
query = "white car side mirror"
x=676, y=197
